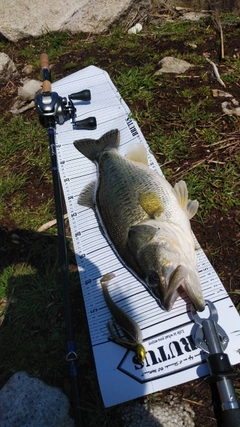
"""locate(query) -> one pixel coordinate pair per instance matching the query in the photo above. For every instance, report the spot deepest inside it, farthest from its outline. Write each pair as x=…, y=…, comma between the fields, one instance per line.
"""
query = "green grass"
x=33, y=336
x=24, y=156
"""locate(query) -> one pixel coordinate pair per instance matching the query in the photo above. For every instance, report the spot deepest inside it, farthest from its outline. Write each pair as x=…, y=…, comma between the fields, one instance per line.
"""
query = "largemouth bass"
x=145, y=218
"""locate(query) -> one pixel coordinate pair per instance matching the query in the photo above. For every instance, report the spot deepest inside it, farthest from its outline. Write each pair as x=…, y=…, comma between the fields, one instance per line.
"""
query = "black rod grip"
x=230, y=418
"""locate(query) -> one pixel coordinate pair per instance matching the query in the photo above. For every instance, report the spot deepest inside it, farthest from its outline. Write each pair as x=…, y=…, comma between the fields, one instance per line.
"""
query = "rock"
x=20, y=107
x=28, y=69
x=28, y=402
x=23, y=19
x=29, y=89
x=8, y=69
x=231, y=108
x=164, y=414
x=173, y=65
x=136, y=29
x=193, y=16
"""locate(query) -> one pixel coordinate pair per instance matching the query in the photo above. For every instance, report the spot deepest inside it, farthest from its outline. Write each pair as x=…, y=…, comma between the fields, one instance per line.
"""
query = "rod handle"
x=46, y=86
x=44, y=61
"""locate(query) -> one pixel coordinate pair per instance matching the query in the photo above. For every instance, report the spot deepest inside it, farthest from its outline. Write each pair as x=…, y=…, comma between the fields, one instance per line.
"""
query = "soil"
x=220, y=230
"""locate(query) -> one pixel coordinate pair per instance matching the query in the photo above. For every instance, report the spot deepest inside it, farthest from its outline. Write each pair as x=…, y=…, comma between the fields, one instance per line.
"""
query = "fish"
x=144, y=218
x=131, y=330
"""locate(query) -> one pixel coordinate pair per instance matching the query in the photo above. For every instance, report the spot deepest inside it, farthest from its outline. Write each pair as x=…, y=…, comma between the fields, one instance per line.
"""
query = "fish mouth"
x=182, y=281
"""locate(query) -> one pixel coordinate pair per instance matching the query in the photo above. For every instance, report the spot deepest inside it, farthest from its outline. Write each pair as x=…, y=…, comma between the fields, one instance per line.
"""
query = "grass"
x=33, y=336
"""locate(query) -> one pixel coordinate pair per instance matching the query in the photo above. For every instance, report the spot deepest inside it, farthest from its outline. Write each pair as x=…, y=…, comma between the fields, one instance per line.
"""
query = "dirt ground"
x=220, y=229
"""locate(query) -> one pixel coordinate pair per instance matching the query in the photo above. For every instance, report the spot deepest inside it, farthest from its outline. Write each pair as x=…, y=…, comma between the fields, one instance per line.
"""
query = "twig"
x=216, y=72
x=233, y=138
x=219, y=25
x=50, y=224
x=193, y=401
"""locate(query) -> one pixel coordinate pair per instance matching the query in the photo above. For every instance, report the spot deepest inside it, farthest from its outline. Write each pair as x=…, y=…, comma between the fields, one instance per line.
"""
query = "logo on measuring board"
x=166, y=355
x=131, y=126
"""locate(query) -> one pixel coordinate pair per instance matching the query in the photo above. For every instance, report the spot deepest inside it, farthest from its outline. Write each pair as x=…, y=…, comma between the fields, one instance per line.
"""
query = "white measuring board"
x=171, y=357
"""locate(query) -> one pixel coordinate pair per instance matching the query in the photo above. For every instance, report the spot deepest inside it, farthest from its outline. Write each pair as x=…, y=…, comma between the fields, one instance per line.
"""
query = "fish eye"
x=153, y=279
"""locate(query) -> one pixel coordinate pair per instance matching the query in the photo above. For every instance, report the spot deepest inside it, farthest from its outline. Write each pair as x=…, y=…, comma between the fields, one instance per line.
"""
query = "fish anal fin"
x=181, y=193
x=151, y=204
x=137, y=153
x=86, y=197
x=192, y=208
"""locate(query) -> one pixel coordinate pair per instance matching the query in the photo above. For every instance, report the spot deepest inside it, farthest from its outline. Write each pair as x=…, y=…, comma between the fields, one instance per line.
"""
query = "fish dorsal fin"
x=86, y=197
x=181, y=192
x=137, y=153
x=151, y=204
x=91, y=148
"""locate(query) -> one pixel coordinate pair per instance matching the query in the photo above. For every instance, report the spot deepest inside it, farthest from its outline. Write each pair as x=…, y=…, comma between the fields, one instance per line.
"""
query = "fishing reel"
x=54, y=109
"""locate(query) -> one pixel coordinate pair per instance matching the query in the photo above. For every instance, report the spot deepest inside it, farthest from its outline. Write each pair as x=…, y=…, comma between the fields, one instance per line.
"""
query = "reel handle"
x=83, y=95
x=90, y=123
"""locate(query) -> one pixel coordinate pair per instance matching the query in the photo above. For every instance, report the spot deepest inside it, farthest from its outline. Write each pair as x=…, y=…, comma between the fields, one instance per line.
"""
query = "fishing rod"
x=54, y=109
x=210, y=337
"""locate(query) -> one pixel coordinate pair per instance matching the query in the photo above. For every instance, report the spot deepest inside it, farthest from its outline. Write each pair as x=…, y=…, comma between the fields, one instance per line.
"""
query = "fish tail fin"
x=91, y=148
x=181, y=192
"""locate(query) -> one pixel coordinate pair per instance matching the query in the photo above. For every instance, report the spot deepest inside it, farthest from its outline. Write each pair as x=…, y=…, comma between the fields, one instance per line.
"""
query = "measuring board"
x=172, y=357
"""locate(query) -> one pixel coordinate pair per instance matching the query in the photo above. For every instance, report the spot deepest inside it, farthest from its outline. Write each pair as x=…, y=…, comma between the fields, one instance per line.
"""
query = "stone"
x=136, y=29
x=28, y=69
x=29, y=89
x=164, y=414
x=20, y=106
x=193, y=16
x=170, y=64
x=21, y=19
x=29, y=402
x=8, y=69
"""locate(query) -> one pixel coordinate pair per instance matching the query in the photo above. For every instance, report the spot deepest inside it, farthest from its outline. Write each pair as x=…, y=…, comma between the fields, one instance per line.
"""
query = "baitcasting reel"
x=54, y=109
x=51, y=105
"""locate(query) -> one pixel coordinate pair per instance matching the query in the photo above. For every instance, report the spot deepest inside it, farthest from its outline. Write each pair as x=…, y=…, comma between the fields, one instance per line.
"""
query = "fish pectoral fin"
x=137, y=153
x=151, y=204
x=87, y=195
x=181, y=193
x=139, y=235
